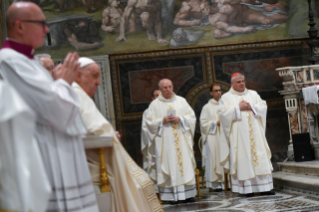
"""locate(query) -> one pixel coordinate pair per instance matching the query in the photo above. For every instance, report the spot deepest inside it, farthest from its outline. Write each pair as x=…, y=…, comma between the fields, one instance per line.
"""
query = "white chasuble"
x=148, y=159
x=214, y=172
x=243, y=146
x=59, y=128
x=175, y=162
x=24, y=185
x=131, y=187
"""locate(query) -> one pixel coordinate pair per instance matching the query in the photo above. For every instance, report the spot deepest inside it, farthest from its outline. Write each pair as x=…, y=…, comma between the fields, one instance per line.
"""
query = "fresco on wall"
x=97, y=27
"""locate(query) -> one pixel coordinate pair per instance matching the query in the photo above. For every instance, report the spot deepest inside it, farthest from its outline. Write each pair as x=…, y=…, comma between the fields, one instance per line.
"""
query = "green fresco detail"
x=295, y=26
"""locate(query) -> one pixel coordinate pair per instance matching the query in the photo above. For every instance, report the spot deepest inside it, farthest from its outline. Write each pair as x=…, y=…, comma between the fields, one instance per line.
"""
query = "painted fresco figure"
x=78, y=31
x=111, y=17
x=182, y=37
x=62, y=5
x=231, y=17
x=148, y=14
x=189, y=14
x=82, y=35
x=167, y=13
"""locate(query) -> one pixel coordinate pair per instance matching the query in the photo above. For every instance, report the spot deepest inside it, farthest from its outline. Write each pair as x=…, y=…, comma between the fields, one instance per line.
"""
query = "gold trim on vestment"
x=252, y=140
x=177, y=147
x=144, y=181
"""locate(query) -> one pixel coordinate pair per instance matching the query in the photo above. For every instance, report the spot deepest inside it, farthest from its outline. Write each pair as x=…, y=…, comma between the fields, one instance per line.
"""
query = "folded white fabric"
x=310, y=94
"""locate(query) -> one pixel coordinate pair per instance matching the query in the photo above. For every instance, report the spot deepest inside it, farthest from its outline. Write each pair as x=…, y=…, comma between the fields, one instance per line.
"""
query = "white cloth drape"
x=24, y=185
x=59, y=128
x=310, y=94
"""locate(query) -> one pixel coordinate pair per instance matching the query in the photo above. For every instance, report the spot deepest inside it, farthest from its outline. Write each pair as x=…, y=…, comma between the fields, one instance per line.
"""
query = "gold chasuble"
x=243, y=146
x=131, y=187
x=175, y=163
x=210, y=131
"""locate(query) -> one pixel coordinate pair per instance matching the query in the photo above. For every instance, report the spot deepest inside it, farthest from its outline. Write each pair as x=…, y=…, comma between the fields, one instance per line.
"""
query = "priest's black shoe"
x=218, y=190
x=192, y=199
x=172, y=202
x=271, y=192
x=250, y=195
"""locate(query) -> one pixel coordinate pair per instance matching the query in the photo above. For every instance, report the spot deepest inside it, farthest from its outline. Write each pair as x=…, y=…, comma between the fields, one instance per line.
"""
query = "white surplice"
x=243, y=146
x=175, y=162
x=24, y=185
x=131, y=187
x=59, y=128
x=214, y=172
x=148, y=160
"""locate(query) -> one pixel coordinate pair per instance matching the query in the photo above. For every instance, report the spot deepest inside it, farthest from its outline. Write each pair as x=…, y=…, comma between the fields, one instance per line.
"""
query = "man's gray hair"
x=238, y=75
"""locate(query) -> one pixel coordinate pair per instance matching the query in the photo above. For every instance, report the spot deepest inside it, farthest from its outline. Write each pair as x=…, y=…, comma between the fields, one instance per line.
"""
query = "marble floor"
x=219, y=201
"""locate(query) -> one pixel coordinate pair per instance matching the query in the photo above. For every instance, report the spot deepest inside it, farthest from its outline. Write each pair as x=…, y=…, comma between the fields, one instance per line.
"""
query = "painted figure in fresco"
x=189, y=14
x=82, y=35
x=182, y=37
x=167, y=13
x=146, y=13
x=111, y=17
x=64, y=4
x=78, y=31
x=231, y=17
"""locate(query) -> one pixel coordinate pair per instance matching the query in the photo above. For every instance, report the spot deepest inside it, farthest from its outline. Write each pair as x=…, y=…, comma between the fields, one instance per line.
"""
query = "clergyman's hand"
x=175, y=120
x=118, y=135
x=218, y=122
x=166, y=119
x=243, y=105
x=68, y=70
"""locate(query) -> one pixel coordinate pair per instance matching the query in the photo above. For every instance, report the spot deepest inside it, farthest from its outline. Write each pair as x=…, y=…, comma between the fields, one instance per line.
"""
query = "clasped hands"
x=243, y=105
x=69, y=69
x=171, y=119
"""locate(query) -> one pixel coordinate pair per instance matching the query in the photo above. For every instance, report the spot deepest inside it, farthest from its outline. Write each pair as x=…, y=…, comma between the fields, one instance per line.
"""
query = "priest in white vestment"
x=24, y=185
x=59, y=126
x=171, y=121
x=244, y=148
x=146, y=139
x=210, y=130
x=131, y=187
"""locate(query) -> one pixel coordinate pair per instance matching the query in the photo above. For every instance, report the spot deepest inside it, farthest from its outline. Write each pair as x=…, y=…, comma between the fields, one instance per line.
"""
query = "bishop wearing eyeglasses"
x=59, y=125
x=210, y=131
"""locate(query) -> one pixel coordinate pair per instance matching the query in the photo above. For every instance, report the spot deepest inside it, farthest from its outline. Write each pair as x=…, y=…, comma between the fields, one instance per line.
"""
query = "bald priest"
x=131, y=187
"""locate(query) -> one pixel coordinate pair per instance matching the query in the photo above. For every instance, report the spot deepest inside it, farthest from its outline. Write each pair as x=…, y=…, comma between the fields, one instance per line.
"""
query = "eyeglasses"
x=43, y=23
x=217, y=90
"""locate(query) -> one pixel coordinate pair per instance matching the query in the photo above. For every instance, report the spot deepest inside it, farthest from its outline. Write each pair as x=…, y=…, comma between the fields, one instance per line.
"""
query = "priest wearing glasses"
x=59, y=125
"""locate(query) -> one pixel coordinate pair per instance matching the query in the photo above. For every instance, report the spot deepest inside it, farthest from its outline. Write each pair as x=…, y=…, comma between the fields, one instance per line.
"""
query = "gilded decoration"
x=177, y=146
x=252, y=140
